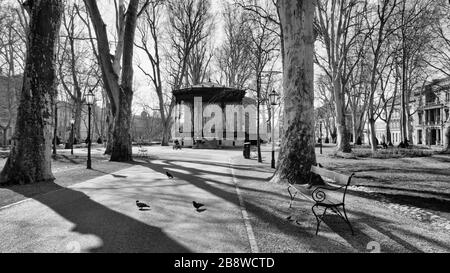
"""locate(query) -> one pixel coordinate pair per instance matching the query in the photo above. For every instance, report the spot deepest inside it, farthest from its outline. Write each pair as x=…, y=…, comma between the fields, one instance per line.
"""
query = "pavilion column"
x=187, y=124
x=198, y=118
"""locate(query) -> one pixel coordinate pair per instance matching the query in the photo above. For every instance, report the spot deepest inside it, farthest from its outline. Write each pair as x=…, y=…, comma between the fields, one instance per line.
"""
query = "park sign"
x=216, y=113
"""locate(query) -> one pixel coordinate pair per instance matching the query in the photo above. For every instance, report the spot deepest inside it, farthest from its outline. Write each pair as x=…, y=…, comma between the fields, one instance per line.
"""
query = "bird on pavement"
x=169, y=175
x=197, y=205
x=141, y=205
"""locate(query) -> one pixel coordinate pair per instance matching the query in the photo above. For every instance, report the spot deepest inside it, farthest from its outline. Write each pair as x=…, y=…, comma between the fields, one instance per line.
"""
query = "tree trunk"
x=372, y=133
x=5, y=140
x=110, y=129
x=355, y=131
x=297, y=153
x=77, y=119
x=30, y=157
x=343, y=142
x=388, y=133
x=122, y=146
x=166, y=132
x=258, y=119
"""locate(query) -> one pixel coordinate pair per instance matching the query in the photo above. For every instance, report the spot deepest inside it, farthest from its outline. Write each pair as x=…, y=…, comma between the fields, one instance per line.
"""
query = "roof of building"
x=434, y=85
x=210, y=92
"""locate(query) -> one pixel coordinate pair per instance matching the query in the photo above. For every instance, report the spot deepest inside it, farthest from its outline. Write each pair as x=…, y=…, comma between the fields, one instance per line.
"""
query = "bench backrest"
x=339, y=178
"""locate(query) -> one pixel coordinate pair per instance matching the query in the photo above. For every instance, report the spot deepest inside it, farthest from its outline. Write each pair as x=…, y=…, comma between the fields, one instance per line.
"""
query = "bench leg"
x=318, y=218
x=292, y=196
x=348, y=222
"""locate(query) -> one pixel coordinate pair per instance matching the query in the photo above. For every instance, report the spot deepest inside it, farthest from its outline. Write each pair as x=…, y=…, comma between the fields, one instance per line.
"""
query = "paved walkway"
x=243, y=213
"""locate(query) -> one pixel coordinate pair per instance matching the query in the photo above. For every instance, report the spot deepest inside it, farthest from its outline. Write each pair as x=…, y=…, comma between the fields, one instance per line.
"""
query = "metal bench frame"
x=142, y=152
x=319, y=195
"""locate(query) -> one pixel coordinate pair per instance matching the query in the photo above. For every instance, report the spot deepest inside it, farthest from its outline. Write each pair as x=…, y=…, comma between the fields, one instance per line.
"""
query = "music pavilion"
x=214, y=116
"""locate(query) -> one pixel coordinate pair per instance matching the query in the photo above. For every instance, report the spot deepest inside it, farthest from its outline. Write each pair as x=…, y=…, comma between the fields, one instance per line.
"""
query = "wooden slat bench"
x=320, y=197
x=142, y=152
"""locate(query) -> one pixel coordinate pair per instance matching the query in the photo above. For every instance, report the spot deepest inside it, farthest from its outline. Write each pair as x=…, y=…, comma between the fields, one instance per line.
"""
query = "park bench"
x=142, y=151
x=320, y=197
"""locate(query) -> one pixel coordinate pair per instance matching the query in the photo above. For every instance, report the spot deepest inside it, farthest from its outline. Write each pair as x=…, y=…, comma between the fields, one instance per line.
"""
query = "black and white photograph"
x=245, y=128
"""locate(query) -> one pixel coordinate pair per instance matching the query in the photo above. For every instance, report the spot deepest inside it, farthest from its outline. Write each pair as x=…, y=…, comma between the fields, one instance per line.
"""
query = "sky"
x=144, y=91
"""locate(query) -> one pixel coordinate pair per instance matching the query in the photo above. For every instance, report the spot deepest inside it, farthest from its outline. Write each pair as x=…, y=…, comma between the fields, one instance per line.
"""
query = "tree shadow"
x=267, y=215
x=361, y=240
x=117, y=232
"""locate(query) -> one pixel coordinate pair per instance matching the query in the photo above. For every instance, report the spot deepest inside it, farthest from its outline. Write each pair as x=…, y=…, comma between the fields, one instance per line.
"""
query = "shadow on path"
x=118, y=232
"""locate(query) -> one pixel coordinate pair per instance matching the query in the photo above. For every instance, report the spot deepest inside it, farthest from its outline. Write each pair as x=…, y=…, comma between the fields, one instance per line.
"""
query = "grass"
x=384, y=153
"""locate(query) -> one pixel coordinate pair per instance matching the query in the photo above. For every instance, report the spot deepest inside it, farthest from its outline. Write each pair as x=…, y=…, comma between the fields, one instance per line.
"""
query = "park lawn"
x=67, y=169
x=373, y=220
x=429, y=175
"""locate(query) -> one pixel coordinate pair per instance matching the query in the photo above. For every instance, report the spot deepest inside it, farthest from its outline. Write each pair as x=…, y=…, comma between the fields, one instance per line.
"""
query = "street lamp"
x=89, y=101
x=273, y=97
x=72, y=122
x=320, y=122
x=55, y=131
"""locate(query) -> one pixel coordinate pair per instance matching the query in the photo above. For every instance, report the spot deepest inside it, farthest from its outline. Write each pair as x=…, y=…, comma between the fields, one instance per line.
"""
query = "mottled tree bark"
x=122, y=146
x=120, y=95
x=297, y=152
x=343, y=141
x=30, y=157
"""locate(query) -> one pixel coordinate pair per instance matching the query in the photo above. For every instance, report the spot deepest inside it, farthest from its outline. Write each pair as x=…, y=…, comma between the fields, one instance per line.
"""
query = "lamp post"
x=89, y=101
x=55, y=130
x=320, y=122
x=72, y=122
x=273, y=96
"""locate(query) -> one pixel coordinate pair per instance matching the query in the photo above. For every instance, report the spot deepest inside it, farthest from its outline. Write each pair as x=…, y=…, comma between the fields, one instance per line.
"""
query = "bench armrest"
x=319, y=194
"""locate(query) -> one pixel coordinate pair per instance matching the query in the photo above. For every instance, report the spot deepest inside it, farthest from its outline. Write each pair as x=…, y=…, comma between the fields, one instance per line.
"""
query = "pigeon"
x=141, y=205
x=197, y=205
x=169, y=175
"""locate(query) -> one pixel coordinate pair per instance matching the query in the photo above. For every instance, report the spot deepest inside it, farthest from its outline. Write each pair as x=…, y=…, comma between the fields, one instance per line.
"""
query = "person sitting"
x=177, y=145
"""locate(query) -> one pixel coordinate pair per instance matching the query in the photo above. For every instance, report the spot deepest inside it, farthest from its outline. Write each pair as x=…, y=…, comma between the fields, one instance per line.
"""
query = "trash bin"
x=247, y=150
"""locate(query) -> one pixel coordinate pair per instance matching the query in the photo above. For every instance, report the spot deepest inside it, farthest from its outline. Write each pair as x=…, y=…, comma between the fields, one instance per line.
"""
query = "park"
x=205, y=126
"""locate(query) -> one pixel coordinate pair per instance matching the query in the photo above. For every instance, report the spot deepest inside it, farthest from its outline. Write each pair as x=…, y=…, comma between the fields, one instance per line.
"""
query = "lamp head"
x=273, y=97
x=89, y=98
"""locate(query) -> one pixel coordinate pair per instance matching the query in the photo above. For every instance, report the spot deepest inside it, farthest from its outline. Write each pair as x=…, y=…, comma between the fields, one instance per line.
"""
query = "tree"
x=119, y=89
x=199, y=62
x=381, y=27
x=76, y=71
x=339, y=27
x=324, y=95
x=11, y=64
x=233, y=55
x=30, y=157
x=262, y=48
x=189, y=25
x=150, y=44
x=440, y=57
x=297, y=153
x=414, y=34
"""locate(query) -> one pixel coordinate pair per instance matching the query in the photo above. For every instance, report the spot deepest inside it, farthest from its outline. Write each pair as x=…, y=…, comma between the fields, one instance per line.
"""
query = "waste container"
x=247, y=150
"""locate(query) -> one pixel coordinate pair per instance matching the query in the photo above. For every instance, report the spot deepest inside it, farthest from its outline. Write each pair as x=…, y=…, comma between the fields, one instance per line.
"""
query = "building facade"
x=430, y=116
x=10, y=88
x=432, y=113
